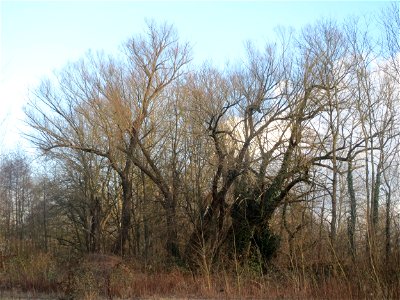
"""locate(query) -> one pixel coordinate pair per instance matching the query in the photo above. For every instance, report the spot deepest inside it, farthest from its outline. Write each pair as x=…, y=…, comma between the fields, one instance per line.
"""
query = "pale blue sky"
x=40, y=37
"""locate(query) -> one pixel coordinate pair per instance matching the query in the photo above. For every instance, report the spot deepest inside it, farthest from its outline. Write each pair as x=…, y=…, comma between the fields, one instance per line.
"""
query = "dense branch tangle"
x=109, y=106
x=205, y=158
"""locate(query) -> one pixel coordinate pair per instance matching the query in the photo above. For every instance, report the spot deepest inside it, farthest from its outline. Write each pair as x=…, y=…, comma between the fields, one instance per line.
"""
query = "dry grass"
x=109, y=277
x=36, y=273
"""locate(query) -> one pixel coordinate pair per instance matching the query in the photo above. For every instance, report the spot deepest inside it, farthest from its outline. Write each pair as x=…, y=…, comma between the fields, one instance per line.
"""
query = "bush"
x=33, y=272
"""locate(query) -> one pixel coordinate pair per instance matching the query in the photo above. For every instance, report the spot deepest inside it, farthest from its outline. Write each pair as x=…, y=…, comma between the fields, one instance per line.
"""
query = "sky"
x=40, y=37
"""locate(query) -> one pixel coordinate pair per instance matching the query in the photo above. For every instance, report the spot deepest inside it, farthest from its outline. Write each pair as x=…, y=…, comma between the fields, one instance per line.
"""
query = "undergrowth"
x=98, y=276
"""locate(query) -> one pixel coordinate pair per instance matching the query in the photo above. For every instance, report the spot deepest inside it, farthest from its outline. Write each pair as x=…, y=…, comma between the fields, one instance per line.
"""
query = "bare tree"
x=16, y=197
x=391, y=43
x=100, y=106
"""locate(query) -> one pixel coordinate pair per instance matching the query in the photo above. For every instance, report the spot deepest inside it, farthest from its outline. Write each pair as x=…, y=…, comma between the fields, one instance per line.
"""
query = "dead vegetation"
x=99, y=276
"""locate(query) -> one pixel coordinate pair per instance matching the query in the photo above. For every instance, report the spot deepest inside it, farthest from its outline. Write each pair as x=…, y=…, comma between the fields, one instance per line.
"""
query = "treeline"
x=288, y=158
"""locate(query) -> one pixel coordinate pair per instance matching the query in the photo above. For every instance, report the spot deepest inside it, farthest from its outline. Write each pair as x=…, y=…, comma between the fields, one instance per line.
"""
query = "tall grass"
x=110, y=277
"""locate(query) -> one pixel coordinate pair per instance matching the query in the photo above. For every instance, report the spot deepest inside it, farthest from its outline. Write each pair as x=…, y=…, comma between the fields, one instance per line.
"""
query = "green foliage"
x=252, y=236
x=267, y=242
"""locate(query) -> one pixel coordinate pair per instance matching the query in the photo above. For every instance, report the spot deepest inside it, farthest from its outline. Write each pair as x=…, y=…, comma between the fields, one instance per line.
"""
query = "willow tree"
x=100, y=105
x=253, y=117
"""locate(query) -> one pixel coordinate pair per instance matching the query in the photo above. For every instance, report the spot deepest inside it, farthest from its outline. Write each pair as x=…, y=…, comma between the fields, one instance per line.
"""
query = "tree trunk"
x=95, y=215
x=45, y=230
x=387, y=229
x=123, y=236
x=172, y=228
x=375, y=200
x=334, y=206
x=352, y=220
x=207, y=232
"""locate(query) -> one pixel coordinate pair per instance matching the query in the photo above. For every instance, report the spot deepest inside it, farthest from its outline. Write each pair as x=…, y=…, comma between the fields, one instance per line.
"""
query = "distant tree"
x=16, y=196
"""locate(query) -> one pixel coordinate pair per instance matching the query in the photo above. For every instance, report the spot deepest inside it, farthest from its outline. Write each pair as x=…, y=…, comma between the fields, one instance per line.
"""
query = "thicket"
x=274, y=177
